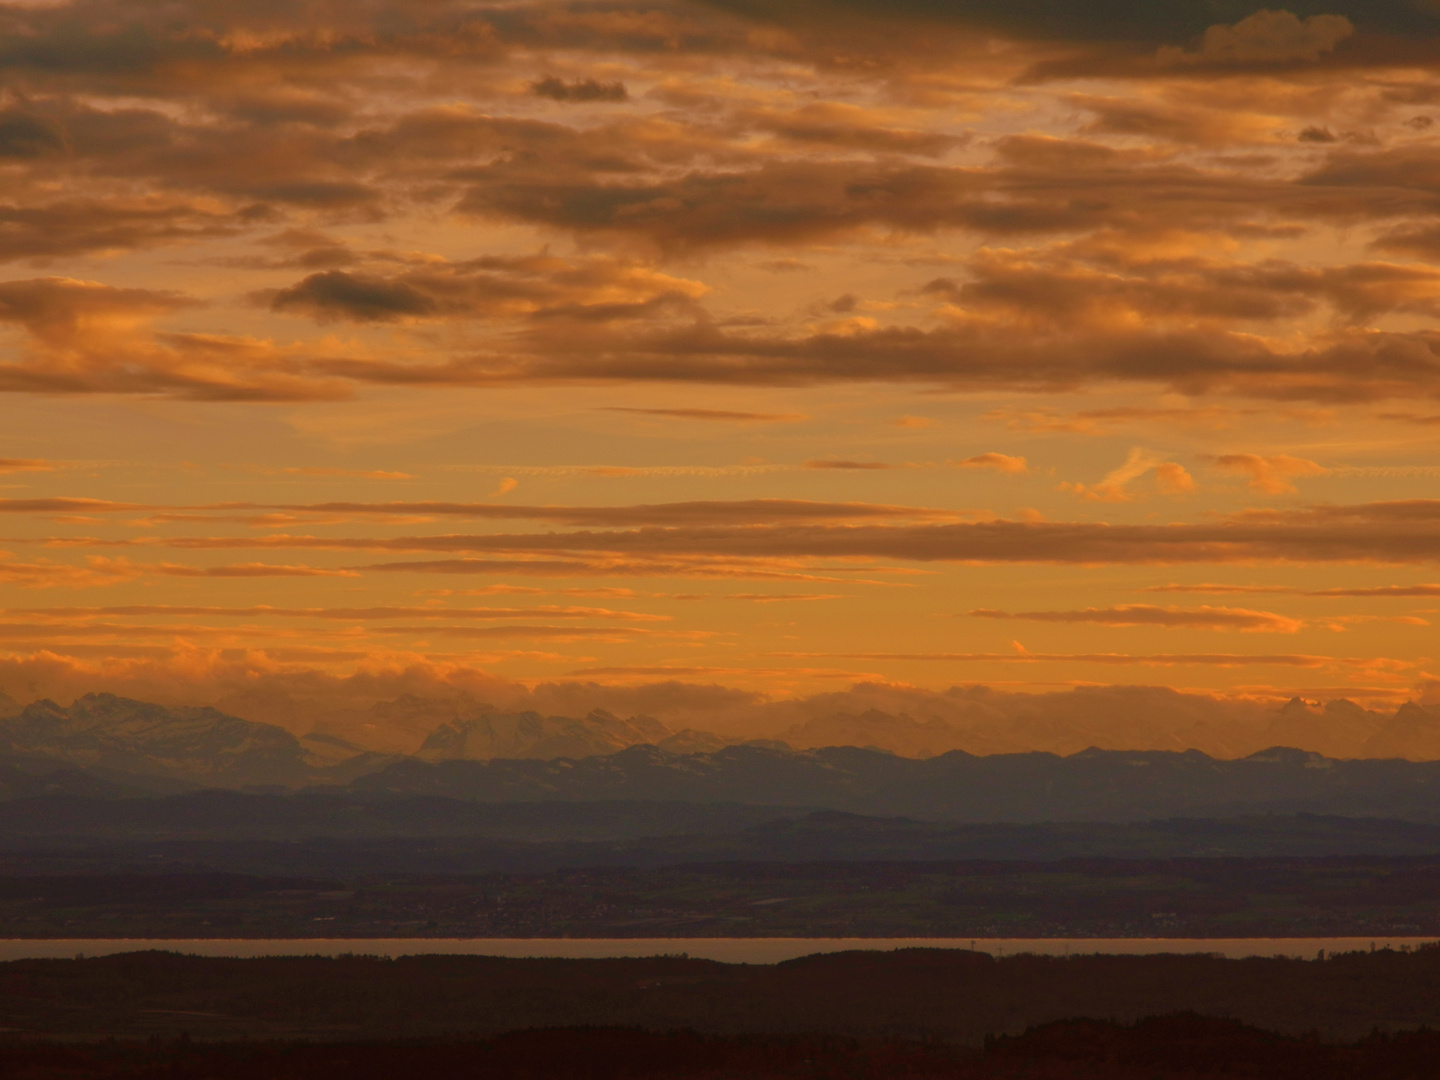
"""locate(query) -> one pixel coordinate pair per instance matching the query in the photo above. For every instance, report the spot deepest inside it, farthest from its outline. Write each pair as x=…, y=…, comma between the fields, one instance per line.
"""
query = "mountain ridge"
x=1093, y=785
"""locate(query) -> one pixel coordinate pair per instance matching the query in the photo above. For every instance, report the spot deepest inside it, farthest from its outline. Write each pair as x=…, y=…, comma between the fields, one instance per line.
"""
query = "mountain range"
x=1095, y=785
x=104, y=746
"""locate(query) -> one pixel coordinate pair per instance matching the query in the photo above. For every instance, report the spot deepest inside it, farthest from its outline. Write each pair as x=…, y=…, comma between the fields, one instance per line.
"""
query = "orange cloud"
x=1201, y=618
x=999, y=462
x=1170, y=479
x=1269, y=474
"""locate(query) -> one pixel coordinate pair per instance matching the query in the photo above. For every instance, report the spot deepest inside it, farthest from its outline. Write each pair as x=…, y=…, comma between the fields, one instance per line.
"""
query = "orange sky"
x=771, y=346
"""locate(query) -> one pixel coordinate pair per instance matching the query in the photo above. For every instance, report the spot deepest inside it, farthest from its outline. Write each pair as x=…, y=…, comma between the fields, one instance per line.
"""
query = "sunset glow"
x=693, y=359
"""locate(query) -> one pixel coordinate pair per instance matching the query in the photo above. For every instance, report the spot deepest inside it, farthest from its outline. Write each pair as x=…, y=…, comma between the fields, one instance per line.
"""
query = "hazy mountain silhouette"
x=530, y=735
x=117, y=736
x=1413, y=732
x=869, y=762
x=1096, y=785
x=898, y=734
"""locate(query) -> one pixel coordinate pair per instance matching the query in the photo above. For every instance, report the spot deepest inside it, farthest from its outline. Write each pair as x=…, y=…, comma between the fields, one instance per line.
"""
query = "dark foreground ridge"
x=952, y=996
x=1184, y=1045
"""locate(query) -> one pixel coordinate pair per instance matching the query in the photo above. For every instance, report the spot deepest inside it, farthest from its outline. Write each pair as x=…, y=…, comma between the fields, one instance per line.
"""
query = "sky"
x=736, y=350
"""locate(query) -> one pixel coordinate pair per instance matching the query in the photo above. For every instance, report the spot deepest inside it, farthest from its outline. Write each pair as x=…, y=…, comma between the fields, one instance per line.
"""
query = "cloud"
x=540, y=286
x=712, y=414
x=1382, y=591
x=706, y=568
x=16, y=465
x=1269, y=474
x=349, y=614
x=1173, y=479
x=1170, y=479
x=1103, y=22
x=1395, y=532
x=715, y=512
x=1024, y=656
x=1267, y=37
x=1004, y=463
x=71, y=506
x=67, y=227
x=87, y=337
x=1170, y=618
x=738, y=512
x=582, y=90
x=843, y=126
x=359, y=474
x=244, y=570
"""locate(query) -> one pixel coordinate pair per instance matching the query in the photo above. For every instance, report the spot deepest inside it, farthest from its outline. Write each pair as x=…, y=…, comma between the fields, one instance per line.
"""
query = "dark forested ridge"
x=951, y=996
x=1157, y=1048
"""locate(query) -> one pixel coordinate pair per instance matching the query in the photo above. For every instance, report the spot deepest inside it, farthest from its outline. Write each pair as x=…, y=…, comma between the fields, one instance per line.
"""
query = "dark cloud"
x=1028, y=187
x=1382, y=591
x=364, y=614
x=1394, y=532
x=739, y=512
x=359, y=297
x=582, y=90
x=70, y=506
x=80, y=227
x=1338, y=366
x=845, y=127
x=711, y=414
x=1170, y=618
x=25, y=136
x=1173, y=22
x=539, y=287
x=139, y=124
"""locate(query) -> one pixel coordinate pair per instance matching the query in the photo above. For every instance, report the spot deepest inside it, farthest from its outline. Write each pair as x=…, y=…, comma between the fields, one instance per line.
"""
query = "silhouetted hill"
x=950, y=995
x=543, y=835
x=1096, y=785
x=314, y=814
x=1184, y=1045
x=28, y=778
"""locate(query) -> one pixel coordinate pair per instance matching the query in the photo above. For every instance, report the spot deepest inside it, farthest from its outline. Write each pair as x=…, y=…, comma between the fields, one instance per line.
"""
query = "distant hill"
x=1096, y=785
x=338, y=834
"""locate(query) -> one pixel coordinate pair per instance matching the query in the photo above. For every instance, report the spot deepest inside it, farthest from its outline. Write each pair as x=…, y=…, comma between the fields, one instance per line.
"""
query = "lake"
x=729, y=950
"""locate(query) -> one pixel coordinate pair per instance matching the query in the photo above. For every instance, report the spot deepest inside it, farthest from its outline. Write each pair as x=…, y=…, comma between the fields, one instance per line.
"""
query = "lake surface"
x=729, y=950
